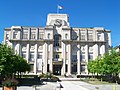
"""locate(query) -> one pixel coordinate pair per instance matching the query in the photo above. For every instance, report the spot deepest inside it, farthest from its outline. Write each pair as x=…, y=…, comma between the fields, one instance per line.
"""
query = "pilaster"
x=35, y=62
x=69, y=59
x=78, y=59
x=86, y=58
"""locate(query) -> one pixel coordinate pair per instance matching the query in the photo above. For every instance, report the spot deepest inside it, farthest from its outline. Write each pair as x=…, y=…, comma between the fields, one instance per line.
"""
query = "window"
x=32, y=67
x=39, y=55
x=56, y=56
x=91, y=48
x=98, y=36
x=66, y=68
x=90, y=55
x=82, y=33
x=25, y=34
x=48, y=67
x=82, y=68
x=82, y=48
x=40, y=36
x=7, y=36
x=57, y=40
x=33, y=34
x=24, y=55
x=90, y=35
x=31, y=58
x=82, y=57
x=74, y=58
x=48, y=35
x=15, y=35
x=66, y=36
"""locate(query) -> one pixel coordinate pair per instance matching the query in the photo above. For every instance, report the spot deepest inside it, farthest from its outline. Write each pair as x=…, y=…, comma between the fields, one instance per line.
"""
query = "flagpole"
x=57, y=9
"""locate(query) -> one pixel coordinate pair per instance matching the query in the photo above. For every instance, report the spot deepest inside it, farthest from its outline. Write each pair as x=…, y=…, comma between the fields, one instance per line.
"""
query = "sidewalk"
x=67, y=85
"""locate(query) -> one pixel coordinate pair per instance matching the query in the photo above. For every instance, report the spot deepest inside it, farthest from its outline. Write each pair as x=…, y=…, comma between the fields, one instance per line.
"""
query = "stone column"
x=96, y=51
x=44, y=60
x=51, y=58
x=29, y=34
x=35, y=62
x=27, y=52
x=63, y=58
x=78, y=59
x=86, y=58
x=103, y=49
x=19, y=49
x=69, y=59
x=37, y=34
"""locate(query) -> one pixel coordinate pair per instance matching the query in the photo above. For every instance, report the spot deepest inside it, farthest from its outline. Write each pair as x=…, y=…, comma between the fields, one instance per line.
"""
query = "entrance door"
x=57, y=69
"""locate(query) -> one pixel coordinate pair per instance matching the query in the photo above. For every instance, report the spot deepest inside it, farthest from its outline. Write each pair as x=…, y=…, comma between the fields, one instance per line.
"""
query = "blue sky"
x=82, y=13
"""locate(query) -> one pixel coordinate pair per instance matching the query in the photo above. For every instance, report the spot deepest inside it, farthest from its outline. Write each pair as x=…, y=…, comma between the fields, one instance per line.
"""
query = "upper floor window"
x=33, y=34
x=31, y=58
x=25, y=34
x=7, y=36
x=24, y=55
x=39, y=55
x=15, y=35
x=82, y=35
x=90, y=55
x=82, y=68
x=82, y=48
x=57, y=40
x=66, y=36
x=48, y=35
x=98, y=36
x=40, y=35
x=90, y=35
x=90, y=48
x=56, y=56
x=74, y=57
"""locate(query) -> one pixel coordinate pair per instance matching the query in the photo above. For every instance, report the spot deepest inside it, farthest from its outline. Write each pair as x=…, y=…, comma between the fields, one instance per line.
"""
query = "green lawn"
x=94, y=81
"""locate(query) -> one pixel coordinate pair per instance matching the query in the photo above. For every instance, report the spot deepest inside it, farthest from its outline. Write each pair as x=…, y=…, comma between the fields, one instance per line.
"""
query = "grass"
x=94, y=81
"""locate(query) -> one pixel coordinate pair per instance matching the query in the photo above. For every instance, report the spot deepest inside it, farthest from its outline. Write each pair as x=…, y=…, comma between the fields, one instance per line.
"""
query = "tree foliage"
x=11, y=63
x=108, y=64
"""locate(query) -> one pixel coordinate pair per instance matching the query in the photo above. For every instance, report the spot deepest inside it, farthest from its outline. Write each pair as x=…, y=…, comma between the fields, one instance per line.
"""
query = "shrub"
x=48, y=77
x=10, y=82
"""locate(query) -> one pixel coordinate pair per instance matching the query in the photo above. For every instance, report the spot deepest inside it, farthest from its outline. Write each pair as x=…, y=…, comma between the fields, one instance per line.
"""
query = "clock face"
x=58, y=22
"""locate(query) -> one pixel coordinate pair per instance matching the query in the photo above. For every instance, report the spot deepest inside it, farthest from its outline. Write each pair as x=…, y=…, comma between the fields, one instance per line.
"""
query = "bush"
x=54, y=78
x=48, y=77
x=10, y=82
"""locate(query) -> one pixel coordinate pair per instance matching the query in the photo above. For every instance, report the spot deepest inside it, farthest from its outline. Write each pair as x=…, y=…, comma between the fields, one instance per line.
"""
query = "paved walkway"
x=69, y=85
x=79, y=85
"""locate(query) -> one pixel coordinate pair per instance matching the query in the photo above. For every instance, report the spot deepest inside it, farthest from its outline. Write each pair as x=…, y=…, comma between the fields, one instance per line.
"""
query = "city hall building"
x=57, y=47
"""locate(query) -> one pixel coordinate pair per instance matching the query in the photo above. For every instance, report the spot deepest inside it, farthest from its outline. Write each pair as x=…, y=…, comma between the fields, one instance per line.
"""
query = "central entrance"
x=57, y=69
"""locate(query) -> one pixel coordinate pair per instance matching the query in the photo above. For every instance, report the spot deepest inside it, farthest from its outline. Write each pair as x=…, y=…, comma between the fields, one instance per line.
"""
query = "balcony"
x=57, y=61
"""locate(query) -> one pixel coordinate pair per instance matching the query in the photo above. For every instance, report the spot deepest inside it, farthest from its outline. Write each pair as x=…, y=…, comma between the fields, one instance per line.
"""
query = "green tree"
x=11, y=63
x=108, y=64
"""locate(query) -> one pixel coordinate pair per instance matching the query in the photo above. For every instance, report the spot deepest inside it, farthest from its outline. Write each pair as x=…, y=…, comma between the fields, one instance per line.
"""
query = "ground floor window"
x=48, y=67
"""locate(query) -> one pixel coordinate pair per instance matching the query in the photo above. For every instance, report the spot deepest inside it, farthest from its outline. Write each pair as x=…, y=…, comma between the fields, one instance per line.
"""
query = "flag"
x=60, y=7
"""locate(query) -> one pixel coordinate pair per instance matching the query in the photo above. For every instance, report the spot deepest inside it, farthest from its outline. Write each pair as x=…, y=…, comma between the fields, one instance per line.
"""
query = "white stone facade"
x=57, y=47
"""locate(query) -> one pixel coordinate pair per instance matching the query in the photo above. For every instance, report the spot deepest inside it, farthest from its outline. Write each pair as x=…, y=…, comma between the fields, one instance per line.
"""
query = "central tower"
x=61, y=32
